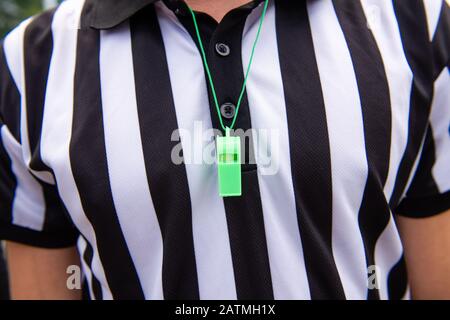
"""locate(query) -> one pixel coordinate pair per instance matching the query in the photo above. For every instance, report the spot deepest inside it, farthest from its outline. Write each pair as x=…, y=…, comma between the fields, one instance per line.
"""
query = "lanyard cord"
x=211, y=82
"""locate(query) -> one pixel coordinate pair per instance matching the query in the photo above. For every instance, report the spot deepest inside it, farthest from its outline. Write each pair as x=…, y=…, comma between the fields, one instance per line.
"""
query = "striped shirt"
x=345, y=125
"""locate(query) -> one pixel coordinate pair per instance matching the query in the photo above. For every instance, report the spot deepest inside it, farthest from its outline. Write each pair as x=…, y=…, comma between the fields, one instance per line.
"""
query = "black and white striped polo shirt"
x=351, y=100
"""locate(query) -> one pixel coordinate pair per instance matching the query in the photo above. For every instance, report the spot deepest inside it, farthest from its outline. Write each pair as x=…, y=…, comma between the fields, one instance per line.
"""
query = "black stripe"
x=8, y=185
x=374, y=214
x=9, y=97
x=441, y=41
x=90, y=170
x=423, y=183
x=85, y=295
x=426, y=206
x=228, y=82
x=248, y=241
x=9, y=116
x=38, y=47
x=309, y=147
x=57, y=219
x=88, y=256
x=168, y=182
x=398, y=280
x=244, y=214
x=4, y=283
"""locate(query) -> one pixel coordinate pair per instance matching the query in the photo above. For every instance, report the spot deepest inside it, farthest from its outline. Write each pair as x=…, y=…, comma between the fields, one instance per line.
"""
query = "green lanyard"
x=211, y=82
x=228, y=148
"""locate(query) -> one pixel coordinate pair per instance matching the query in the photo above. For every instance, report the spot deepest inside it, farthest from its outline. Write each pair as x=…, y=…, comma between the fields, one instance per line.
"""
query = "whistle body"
x=229, y=166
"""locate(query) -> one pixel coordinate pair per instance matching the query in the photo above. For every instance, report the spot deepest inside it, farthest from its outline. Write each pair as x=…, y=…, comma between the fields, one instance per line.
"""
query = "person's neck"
x=216, y=8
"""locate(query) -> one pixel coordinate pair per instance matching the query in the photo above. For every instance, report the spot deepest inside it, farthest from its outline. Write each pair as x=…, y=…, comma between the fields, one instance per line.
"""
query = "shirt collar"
x=110, y=13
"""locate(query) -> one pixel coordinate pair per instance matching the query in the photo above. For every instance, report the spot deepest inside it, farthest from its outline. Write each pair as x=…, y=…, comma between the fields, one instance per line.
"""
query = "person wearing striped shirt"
x=110, y=112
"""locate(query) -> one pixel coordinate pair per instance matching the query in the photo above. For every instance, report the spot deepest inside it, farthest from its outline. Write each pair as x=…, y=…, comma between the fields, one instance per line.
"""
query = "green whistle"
x=229, y=165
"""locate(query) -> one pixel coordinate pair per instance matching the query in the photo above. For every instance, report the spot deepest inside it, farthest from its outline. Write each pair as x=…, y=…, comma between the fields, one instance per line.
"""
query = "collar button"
x=222, y=49
x=228, y=110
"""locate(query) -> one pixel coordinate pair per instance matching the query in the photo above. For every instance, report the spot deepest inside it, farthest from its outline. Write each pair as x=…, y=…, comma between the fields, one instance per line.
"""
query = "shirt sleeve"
x=429, y=191
x=31, y=211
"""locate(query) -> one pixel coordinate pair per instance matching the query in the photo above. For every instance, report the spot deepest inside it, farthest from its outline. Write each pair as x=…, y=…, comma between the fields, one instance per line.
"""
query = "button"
x=228, y=110
x=222, y=49
x=180, y=11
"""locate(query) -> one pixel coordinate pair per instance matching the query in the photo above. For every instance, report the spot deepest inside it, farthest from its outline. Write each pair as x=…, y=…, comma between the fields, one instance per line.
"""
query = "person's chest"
x=327, y=100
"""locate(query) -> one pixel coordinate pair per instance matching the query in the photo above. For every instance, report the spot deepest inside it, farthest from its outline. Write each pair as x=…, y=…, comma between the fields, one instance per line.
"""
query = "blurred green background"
x=12, y=12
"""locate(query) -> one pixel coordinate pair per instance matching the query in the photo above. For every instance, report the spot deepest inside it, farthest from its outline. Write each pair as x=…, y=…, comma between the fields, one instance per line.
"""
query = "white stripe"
x=127, y=174
x=82, y=245
x=433, y=12
x=268, y=112
x=407, y=295
x=211, y=241
x=29, y=203
x=386, y=31
x=440, y=122
x=347, y=146
x=388, y=252
x=57, y=123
